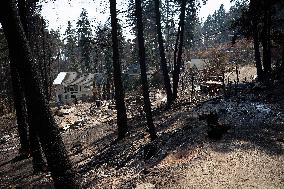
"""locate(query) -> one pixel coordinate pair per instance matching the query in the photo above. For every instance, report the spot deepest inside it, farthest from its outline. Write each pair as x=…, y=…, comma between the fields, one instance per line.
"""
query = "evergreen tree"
x=71, y=48
x=168, y=20
x=207, y=31
x=190, y=21
x=84, y=33
x=197, y=41
x=222, y=24
x=150, y=32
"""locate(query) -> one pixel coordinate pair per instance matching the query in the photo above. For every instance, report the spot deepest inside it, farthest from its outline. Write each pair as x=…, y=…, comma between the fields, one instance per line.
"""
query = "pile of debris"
x=74, y=116
x=235, y=112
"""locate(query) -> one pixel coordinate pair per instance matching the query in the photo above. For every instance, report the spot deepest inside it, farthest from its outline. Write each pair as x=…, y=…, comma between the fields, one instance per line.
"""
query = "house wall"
x=65, y=95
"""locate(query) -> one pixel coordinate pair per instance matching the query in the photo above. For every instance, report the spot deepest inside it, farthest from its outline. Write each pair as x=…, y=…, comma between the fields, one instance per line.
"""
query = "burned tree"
x=178, y=60
x=142, y=61
x=41, y=117
x=119, y=92
x=254, y=16
x=25, y=12
x=21, y=114
x=163, y=60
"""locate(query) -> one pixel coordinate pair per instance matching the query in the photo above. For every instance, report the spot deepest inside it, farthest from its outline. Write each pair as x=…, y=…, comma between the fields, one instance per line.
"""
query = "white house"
x=69, y=86
x=196, y=64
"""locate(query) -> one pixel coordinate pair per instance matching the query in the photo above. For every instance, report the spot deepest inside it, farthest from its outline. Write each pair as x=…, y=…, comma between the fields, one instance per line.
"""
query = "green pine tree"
x=84, y=33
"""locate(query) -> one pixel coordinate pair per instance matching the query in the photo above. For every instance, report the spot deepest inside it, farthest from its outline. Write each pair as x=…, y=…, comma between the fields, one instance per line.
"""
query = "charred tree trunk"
x=167, y=27
x=49, y=76
x=45, y=69
x=119, y=91
x=266, y=42
x=257, y=53
x=35, y=146
x=255, y=33
x=176, y=50
x=20, y=107
x=177, y=66
x=41, y=117
x=163, y=60
x=23, y=13
x=142, y=60
x=282, y=65
x=38, y=162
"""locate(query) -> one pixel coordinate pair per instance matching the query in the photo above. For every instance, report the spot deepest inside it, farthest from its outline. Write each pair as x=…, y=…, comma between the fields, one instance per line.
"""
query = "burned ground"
x=250, y=155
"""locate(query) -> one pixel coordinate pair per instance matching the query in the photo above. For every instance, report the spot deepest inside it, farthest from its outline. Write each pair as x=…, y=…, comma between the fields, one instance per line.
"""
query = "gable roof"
x=75, y=78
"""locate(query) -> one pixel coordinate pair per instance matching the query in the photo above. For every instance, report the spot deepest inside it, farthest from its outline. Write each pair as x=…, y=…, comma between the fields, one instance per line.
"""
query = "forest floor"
x=250, y=155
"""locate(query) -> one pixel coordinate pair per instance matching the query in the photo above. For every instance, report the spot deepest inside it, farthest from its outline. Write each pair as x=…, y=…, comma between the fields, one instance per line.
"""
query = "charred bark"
x=45, y=73
x=177, y=66
x=41, y=117
x=176, y=49
x=38, y=162
x=35, y=146
x=266, y=40
x=142, y=60
x=119, y=91
x=20, y=107
x=257, y=57
x=163, y=60
x=282, y=65
x=255, y=34
x=257, y=52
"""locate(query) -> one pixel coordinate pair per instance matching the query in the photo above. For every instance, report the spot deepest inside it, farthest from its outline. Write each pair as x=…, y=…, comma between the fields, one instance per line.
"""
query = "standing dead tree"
x=178, y=60
x=34, y=143
x=119, y=92
x=163, y=60
x=41, y=117
x=142, y=60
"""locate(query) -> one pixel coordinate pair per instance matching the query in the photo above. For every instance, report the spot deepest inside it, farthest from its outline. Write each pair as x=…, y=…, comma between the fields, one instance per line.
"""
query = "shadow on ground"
x=180, y=135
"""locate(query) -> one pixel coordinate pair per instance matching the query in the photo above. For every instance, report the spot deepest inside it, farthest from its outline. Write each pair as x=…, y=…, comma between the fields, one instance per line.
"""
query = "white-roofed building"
x=196, y=64
x=72, y=85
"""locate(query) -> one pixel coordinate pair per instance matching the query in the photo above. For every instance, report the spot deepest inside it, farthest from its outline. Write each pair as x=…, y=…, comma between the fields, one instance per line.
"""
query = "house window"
x=66, y=96
x=76, y=87
x=73, y=96
x=60, y=98
x=65, y=89
x=80, y=88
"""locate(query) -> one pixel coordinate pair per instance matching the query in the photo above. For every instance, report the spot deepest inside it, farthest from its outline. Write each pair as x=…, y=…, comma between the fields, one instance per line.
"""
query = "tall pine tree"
x=84, y=33
x=71, y=50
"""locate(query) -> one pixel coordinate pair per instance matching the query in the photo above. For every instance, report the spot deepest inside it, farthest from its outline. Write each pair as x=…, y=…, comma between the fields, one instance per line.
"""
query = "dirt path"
x=247, y=167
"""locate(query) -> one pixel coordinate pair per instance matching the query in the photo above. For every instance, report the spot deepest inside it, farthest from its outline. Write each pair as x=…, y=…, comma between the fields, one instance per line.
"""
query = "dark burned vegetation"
x=174, y=103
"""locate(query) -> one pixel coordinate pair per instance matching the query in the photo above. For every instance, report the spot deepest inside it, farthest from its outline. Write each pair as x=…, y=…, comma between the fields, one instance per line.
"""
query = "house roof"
x=58, y=80
x=75, y=78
